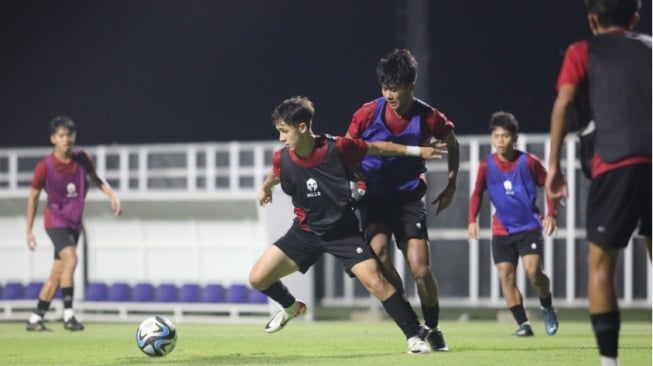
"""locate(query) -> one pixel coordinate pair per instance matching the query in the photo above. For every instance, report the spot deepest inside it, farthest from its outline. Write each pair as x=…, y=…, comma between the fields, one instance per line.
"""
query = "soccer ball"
x=156, y=336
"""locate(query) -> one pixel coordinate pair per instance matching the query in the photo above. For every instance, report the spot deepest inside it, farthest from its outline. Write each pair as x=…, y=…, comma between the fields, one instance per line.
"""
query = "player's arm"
x=103, y=185
x=563, y=107
x=475, y=202
x=539, y=175
x=445, y=199
x=385, y=148
x=32, y=206
x=265, y=194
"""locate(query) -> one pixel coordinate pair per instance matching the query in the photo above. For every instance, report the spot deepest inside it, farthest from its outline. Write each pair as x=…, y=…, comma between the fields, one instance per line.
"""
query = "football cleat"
x=416, y=346
x=38, y=326
x=73, y=325
x=550, y=321
x=280, y=319
x=524, y=330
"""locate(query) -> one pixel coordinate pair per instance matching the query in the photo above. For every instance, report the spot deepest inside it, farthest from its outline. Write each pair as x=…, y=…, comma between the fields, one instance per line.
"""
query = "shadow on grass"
x=241, y=359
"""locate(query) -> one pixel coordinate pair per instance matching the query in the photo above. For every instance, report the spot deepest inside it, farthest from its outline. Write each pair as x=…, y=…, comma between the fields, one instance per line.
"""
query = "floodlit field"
x=320, y=343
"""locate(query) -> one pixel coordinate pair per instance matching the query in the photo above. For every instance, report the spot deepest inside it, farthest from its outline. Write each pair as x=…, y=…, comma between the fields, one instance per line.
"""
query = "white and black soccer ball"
x=156, y=336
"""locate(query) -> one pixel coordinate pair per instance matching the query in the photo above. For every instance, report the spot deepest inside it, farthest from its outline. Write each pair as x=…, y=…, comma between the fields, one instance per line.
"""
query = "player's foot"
x=38, y=326
x=434, y=338
x=280, y=319
x=550, y=321
x=416, y=345
x=524, y=330
x=73, y=325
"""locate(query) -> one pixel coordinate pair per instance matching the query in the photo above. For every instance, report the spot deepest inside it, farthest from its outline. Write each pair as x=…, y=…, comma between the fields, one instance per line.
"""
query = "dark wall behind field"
x=148, y=71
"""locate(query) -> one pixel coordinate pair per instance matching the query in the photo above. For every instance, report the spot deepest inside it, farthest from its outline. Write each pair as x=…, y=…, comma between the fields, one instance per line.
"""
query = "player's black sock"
x=519, y=314
x=431, y=315
x=67, y=293
x=402, y=313
x=279, y=293
x=606, y=330
x=42, y=307
x=545, y=302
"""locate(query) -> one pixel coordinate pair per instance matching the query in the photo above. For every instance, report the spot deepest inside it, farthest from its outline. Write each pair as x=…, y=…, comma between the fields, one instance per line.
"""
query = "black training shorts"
x=405, y=218
x=509, y=248
x=305, y=248
x=618, y=201
x=62, y=237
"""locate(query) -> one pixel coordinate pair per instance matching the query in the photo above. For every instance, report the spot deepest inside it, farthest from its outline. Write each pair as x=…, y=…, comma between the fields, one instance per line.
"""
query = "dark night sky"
x=148, y=71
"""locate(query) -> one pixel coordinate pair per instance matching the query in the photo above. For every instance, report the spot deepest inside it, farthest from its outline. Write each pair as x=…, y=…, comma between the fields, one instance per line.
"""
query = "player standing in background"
x=612, y=68
x=393, y=203
x=64, y=175
x=314, y=172
x=511, y=178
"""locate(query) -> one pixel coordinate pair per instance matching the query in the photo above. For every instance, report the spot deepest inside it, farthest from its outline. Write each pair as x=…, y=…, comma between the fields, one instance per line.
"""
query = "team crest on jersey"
x=507, y=185
x=71, y=190
x=312, y=188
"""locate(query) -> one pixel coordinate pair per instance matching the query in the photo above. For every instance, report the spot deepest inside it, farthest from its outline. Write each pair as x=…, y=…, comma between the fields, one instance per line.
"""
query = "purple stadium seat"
x=143, y=292
x=257, y=297
x=12, y=291
x=189, y=292
x=33, y=289
x=120, y=291
x=213, y=293
x=238, y=293
x=166, y=292
x=97, y=291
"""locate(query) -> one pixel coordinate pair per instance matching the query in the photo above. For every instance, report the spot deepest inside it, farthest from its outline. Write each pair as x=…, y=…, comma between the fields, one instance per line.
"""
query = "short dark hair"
x=505, y=120
x=62, y=122
x=398, y=67
x=294, y=111
x=613, y=12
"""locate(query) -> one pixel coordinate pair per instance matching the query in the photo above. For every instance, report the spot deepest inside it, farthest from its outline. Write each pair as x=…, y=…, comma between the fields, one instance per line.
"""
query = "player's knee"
x=256, y=280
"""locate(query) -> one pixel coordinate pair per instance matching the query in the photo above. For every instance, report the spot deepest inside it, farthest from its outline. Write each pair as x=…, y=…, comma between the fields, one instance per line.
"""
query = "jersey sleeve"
x=477, y=194
x=574, y=65
x=539, y=174
x=351, y=151
x=439, y=125
x=38, y=180
x=361, y=120
x=276, y=163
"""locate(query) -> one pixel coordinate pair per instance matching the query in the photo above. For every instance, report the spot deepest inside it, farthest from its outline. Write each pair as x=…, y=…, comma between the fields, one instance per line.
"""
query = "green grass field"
x=320, y=343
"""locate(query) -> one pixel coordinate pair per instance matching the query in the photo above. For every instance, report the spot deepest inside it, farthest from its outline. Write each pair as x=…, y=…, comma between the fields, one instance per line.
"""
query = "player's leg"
x=394, y=303
x=505, y=255
x=69, y=262
x=603, y=307
x=380, y=244
x=290, y=253
x=412, y=238
x=49, y=289
x=531, y=248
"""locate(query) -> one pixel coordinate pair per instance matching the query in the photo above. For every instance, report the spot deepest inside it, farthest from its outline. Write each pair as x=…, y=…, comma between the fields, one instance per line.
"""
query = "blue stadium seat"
x=238, y=293
x=143, y=292
x=120, y=291
x=213, y=293
x=33, y=289
x=166, y=292
x=189, y=292
x=97, y=291
x=257, y=297
x=13, y=290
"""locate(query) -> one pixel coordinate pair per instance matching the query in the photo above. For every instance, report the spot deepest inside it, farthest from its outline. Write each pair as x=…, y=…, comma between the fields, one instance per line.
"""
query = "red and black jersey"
x=319, y=185
x=613, y=74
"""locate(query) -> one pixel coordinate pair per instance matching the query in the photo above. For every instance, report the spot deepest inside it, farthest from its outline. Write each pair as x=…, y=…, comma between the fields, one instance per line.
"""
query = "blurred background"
x=151, y=71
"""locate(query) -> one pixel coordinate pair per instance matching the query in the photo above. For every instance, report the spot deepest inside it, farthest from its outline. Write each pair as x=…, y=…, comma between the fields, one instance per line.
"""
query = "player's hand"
x=556, y=186
x=31, y=241
x=435, y=150
x=115, y=205
x=445, y=199
x=473, y=231
x=264, y=197
x=549, y=226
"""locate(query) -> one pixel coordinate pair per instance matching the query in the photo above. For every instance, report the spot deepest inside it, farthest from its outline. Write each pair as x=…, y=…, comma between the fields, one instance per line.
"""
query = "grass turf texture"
x=320, y=343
